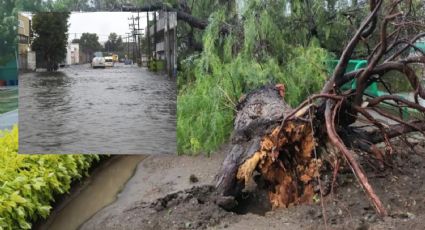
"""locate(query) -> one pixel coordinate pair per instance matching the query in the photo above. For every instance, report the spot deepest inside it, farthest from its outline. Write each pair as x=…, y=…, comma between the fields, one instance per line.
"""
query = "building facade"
x=72, y=54
x=164, y=39
x=26, y=57
x=24, y=28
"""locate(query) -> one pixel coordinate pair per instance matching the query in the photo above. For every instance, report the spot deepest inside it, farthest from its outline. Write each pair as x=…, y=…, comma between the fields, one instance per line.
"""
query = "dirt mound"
x=400, y=185
x=194, y=208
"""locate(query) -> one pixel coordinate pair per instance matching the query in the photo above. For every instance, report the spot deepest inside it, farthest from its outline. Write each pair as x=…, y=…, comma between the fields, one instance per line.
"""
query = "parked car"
x=109, y=62
x=98, y=62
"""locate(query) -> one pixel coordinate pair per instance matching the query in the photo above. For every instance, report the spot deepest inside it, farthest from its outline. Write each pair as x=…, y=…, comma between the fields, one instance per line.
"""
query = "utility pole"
x=168, y=47
x=134, y=38
x=155, y=34
x=149, y=38
x=175, y=44
x=139, y=53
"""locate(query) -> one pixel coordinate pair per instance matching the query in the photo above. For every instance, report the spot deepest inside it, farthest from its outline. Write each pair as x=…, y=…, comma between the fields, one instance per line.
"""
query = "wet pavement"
x=119, y=110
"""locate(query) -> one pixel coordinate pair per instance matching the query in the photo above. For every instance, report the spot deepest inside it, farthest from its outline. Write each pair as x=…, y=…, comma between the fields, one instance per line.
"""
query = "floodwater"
x=97, y=191
x=119, y=110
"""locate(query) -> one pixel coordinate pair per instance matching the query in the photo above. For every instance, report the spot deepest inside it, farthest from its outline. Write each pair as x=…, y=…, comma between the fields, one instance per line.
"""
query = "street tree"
x=8, y=36
x=89, y=43
x=50, y=37
x=114, y=43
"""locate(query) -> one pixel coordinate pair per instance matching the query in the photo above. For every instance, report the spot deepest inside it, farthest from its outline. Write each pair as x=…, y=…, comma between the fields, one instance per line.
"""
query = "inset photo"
x=97, y=82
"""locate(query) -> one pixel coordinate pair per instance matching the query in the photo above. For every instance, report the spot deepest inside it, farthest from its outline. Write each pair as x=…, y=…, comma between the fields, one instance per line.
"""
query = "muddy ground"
x=163, y=194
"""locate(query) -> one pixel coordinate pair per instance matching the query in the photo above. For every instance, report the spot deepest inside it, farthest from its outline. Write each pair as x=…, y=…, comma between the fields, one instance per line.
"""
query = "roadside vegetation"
x=30, y=183
x=260, y=46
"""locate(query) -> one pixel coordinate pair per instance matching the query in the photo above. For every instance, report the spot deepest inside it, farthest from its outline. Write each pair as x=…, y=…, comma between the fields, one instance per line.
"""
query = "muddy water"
x=118, y=110
x=97, y=191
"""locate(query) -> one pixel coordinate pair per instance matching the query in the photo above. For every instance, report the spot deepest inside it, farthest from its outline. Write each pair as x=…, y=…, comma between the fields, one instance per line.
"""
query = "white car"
x=98, y=62
x=109, y=62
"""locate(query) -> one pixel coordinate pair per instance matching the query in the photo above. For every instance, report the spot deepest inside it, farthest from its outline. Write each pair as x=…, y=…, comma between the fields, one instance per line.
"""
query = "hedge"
x=29, y=183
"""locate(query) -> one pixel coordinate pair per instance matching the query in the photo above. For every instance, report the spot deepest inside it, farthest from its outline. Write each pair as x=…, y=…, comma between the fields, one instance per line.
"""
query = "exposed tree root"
x=286, y=165
x=278, y=143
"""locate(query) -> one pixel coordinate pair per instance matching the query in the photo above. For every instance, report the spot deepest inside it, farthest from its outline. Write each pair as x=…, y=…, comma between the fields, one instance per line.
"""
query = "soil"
x=164, y=194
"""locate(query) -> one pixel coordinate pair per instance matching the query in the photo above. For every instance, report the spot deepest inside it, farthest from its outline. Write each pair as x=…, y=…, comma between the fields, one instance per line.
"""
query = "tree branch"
x=182, y=15
x=330, y=112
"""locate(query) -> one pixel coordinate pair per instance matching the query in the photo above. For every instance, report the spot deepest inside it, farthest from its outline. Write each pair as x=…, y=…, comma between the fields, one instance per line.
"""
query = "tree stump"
x=282, y=156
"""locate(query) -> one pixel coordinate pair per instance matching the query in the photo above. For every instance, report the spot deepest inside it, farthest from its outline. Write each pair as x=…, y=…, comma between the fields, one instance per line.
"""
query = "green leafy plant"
x=29, y=183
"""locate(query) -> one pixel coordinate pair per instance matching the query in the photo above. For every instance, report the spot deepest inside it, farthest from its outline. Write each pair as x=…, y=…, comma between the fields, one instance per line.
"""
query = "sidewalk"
x=7, y=120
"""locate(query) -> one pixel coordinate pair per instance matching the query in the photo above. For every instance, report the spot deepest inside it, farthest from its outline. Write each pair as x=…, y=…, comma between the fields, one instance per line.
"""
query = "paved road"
x=119, y=110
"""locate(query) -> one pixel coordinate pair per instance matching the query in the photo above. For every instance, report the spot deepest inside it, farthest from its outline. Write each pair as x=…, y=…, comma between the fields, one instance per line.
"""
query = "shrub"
x=29, y=183
x=156, y=65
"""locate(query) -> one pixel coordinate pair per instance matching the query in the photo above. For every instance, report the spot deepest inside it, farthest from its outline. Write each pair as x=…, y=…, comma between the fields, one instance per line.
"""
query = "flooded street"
x=118, y=110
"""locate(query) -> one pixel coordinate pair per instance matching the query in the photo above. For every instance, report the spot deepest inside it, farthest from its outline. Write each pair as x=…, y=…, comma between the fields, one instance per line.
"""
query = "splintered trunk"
x=282, y=157
x=274, y=146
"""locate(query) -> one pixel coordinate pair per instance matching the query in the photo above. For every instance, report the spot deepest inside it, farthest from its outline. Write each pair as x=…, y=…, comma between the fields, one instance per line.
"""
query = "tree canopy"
x=114, y=43
x=8, y=33
x=50, y=37
x=89, y=43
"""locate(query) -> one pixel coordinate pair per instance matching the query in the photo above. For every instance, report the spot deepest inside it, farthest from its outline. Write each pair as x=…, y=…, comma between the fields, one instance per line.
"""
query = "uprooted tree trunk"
x=285, y=147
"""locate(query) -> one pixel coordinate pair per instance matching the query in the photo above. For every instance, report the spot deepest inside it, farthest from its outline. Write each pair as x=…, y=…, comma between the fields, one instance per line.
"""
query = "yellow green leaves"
x=28, y=183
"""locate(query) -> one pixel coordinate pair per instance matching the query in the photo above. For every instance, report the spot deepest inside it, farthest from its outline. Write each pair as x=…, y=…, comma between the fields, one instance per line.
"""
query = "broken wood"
x=274, y=145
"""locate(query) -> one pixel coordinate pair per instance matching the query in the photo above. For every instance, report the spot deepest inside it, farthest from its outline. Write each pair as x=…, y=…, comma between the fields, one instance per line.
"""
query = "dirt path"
x=155, y=177
x=151, y=199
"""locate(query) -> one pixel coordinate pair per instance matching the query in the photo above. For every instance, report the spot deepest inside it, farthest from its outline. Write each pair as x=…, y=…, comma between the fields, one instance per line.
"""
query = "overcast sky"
x=102, y=23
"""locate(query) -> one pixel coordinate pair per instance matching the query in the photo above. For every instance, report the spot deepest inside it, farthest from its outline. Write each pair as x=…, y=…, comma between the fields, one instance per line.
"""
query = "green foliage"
x=8, y=27
x=89, y=43
x=29, y=183
x=156, y=65
x=114, y=43
x=212, y=83
x=50, y=37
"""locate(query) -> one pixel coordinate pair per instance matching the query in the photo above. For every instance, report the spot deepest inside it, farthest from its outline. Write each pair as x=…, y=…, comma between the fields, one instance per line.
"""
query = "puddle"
x=97, y=191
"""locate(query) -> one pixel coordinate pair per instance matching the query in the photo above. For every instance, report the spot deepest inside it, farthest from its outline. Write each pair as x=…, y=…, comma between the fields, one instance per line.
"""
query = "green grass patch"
x=29, y=183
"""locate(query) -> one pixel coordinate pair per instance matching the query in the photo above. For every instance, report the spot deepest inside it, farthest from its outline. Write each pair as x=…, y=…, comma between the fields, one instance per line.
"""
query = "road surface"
x=118, y=110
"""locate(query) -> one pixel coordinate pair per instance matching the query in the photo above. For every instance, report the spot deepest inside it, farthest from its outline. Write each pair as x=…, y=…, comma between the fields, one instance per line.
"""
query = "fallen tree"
x=283, y=148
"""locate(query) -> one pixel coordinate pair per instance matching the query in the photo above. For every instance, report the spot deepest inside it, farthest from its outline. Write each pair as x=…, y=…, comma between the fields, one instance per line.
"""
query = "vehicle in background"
x=98, y=62
x=98, y=54
x=115, y=57
x=128, y=62
x=109, y=61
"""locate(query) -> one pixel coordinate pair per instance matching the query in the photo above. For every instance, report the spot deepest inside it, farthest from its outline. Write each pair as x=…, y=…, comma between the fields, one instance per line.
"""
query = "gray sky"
x=102, y=23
